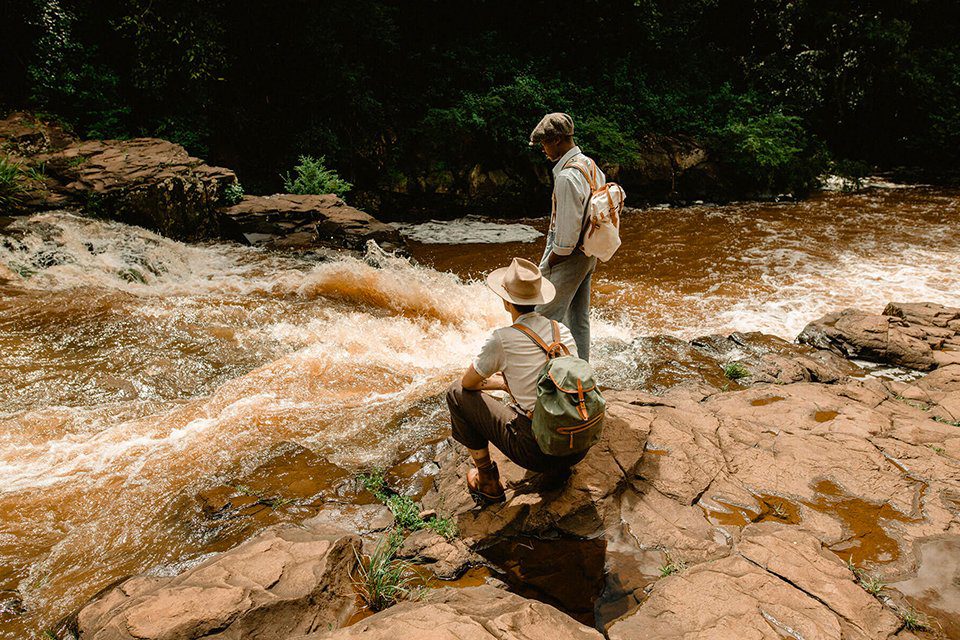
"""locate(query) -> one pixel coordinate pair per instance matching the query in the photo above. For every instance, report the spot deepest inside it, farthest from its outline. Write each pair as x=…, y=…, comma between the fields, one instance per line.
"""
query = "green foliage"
x=913, y=620
x=735, y=371
x=12, y=184
x=384, y=579
x=406, y=512
x=313, y=177
x=233, y=194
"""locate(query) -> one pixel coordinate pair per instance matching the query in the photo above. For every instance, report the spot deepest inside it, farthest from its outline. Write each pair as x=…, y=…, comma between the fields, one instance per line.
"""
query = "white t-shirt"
x=520, y=358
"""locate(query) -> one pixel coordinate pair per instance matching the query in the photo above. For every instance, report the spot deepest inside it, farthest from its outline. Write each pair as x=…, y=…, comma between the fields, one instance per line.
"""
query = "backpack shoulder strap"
x=590, y=177
x=552, y=350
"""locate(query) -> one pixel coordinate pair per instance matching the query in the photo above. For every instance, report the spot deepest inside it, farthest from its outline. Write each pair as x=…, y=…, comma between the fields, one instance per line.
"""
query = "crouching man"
x=510, y=360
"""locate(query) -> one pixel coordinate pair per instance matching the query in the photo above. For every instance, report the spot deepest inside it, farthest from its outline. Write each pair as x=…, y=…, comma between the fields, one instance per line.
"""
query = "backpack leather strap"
x=552, y=350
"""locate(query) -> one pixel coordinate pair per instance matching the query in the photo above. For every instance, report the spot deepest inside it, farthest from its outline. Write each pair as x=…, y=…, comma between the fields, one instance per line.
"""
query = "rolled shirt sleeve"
x=490, y=359
x=569, y=220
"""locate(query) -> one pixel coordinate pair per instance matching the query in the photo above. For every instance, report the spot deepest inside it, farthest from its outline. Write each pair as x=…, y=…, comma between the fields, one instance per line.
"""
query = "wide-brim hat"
x=521, y=283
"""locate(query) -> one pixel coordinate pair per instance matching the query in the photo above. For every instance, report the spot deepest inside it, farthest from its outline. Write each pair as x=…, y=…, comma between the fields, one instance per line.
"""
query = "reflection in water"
x=138, y=374
x=935, y=589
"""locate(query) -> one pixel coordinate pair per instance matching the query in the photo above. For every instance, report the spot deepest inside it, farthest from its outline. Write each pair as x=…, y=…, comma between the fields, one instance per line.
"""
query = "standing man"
x=564, y=263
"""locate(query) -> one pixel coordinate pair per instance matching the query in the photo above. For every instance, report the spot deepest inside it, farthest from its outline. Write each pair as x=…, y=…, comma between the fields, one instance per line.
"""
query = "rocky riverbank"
x=156, y=184
x=770, y=490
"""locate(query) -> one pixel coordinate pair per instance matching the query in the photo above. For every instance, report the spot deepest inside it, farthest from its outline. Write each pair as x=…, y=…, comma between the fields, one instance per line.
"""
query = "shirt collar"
x=557, y=168
x=526, y=315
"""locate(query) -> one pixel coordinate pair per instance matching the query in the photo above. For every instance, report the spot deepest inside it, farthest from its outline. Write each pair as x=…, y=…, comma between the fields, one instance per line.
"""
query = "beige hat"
x=553, y=125
x=521, y=283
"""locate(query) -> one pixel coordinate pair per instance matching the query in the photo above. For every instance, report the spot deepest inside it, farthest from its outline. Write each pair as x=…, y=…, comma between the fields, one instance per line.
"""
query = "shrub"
x=384, y=579
x=313, y=177
x=233, y=194
x=735, y=371
x=14, y=183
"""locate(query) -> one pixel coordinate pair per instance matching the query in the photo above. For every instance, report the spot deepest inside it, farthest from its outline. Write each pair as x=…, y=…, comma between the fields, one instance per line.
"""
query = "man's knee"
x=454, y=393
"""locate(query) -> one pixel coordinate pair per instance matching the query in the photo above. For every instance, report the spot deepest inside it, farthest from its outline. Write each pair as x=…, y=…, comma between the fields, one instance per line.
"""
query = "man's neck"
x=516, y=315
x=562, y=151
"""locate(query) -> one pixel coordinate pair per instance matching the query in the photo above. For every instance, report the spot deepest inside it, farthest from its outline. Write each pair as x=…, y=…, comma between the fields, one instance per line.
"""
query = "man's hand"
x=473, y=381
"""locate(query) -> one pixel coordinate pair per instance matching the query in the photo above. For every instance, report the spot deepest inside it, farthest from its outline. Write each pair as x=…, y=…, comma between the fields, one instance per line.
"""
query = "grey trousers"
x=479, y=419
x=571, y=306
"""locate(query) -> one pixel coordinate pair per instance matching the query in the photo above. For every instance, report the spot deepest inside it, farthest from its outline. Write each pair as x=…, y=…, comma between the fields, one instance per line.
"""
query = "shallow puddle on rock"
x=935, y=589
x=762, y=402
x=825, y=416
x=627, y=576
x=769, y=508
x=564, y=573
x=867, y=542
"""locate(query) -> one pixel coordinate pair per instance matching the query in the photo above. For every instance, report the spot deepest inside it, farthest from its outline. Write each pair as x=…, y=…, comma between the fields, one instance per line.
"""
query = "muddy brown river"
x=138, y=374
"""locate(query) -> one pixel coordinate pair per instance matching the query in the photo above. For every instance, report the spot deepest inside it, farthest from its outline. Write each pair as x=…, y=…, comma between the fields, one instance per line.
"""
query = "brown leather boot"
x=483, y=482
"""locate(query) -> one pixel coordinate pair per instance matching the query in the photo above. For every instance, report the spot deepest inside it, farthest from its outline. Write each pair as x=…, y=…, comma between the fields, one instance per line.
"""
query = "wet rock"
x=289, y=580
x=918, y=336
x=304, y=222
x=365, y=520
x=446, y=559
x=478, y=613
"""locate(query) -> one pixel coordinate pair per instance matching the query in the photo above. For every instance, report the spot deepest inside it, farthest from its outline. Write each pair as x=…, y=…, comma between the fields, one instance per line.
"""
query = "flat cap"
x=553, y=125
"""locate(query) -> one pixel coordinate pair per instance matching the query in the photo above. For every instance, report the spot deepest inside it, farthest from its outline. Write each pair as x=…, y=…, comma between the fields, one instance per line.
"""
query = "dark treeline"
x=388, y=90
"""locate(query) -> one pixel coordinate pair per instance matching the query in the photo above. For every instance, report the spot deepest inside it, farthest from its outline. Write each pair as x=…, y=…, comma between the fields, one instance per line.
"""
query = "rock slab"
x=304, y=222
x=477, y=613
x=289, y=580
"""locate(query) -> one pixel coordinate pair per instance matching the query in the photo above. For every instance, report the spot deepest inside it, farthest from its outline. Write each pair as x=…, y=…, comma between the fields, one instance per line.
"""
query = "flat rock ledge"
x=289, y=580
x=286, y=221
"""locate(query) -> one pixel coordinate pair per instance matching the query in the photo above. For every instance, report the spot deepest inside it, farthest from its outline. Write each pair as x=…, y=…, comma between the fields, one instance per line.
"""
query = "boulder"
x=476, y=613
x=917, y=336
x=304, y=222
x=288, y=580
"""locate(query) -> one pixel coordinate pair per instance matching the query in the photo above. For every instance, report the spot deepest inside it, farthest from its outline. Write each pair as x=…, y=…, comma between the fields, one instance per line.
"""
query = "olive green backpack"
x=568, y=416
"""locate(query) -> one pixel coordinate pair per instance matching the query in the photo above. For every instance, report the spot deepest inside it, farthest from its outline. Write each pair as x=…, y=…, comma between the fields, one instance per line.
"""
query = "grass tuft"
x=671, y=566
x=384, y=580
x=735, y=371
x=913, y=620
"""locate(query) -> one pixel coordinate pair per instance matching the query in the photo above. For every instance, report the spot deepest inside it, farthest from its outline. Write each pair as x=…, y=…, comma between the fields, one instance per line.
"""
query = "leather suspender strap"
x=530, y=333
x=550, y=350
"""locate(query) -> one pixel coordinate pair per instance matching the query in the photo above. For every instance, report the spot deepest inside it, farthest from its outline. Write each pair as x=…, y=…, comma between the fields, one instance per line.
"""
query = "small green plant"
x=872, y=584
x=952, y=423
x=313, y=177
x=779, y=511
x=406, y=512
x=233, y=194
x=936, y=449
x=735, y=371
x=384, y=580
x=913, y=620
x=671, y=566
